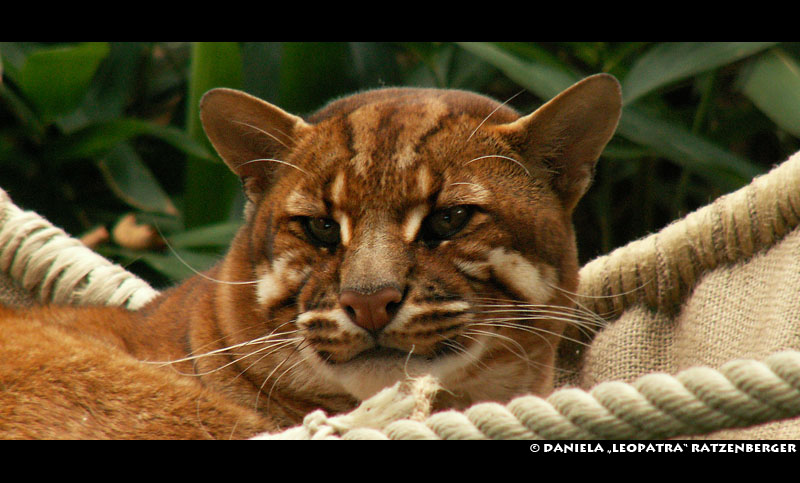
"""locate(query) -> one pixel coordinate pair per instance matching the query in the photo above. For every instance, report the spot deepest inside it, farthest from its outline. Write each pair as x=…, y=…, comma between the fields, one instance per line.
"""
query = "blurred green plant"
x=91, y=131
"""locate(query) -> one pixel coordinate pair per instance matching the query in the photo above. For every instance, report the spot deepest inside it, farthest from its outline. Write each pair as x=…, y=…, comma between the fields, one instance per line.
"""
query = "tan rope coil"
x=656, y=406
x=662, y=268
x=57, y=268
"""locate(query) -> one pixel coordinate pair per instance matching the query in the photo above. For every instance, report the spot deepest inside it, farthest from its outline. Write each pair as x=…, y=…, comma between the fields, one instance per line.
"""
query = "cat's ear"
x=249, y=134
x=566, y=135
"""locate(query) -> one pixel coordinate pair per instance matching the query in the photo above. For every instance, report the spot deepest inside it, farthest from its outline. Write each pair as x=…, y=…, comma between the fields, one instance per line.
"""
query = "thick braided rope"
x=55, y=267
x=699, y=400
x=662, y=268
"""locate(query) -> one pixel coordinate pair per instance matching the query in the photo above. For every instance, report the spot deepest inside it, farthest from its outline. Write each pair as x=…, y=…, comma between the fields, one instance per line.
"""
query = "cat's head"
x=409, y=231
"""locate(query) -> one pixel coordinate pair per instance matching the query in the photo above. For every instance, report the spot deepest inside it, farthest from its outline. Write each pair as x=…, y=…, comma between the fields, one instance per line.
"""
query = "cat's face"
x=405, y=232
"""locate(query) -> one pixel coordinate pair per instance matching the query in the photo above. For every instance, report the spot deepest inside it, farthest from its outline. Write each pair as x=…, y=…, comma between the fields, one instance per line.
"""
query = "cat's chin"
x=375, y=369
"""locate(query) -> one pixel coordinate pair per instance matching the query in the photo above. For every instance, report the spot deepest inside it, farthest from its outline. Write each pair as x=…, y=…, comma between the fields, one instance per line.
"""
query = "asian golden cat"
x=395, y=232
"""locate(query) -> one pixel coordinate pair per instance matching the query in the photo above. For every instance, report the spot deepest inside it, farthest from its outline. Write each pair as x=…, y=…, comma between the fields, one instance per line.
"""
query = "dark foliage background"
x=92, y=131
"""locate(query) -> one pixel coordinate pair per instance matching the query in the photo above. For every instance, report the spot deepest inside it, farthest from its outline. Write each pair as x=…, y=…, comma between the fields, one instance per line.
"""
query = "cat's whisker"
x=580, y=310
x=474, y=360
x=575, y=297
x=224, y=350
x=522, y=352
x=577, y=315
x=258, y=129
x=294, y=352
x=501, y=157
x=491, y=113
x=247, y=328
x=273, y=347
x=196, y=271
x=273, y=160
x=523, y=356
x=525, y=322
x=507, y=323
x=530, y=362
x=571, y=318
x=542, y=308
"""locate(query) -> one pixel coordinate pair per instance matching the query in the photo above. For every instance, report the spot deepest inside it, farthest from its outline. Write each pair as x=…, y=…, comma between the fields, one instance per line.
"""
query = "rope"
x=696, y=401
x=662, y=268
x=57, y=268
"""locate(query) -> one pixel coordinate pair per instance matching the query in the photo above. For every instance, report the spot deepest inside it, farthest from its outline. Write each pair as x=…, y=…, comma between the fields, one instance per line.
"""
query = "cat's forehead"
x=396, y=147
x=346, y=190
x=407, y=100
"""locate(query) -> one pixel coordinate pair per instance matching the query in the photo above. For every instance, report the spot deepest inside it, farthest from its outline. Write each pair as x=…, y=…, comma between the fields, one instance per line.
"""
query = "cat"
x=397, y=232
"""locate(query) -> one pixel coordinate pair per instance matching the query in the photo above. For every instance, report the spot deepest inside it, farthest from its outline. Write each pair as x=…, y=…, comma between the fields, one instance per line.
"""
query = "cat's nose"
x=371, y=311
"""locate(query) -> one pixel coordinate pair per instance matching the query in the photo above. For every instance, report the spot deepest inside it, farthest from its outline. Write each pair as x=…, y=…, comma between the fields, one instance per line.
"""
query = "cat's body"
x=396, y=233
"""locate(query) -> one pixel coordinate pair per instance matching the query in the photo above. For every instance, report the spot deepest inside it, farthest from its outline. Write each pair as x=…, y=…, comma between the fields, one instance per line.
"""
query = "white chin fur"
x=363, y=379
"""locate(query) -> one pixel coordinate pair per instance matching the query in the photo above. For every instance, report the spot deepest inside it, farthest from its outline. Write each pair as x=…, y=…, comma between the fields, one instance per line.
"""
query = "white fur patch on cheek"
x=533, y=282
x=278, y=281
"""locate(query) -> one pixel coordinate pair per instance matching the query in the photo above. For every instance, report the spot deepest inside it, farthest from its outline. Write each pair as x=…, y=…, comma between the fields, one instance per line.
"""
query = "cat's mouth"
x=368, y=371
x=390, y=354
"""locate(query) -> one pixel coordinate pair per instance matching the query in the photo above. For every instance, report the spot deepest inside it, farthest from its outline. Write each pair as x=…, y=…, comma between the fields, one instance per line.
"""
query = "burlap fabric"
x=682, y=308
x=723, y=283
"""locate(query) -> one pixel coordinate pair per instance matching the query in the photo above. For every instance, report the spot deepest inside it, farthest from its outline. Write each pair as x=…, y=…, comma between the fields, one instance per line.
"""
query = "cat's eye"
x=323, y=231
x=444, y=223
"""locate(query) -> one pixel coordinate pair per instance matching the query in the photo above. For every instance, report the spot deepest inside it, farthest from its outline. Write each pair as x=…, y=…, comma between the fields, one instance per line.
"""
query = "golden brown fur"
x=396, y=232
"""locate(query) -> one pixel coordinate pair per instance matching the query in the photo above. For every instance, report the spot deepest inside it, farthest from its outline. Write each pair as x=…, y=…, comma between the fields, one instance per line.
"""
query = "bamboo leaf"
x=214, y=235
x=181, y=264
x=110, y=90
x=210, y=187
x=132, y=181
x=55, y=80
x=312, y=73
x=544, y=80
x=665, y=138
x=722, y=168
x=97, y=139
x=773, y=84
x=669, y=62
x=176, y=265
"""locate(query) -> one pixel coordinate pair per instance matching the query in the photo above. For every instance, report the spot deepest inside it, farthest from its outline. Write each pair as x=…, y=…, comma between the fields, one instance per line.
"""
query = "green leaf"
x=28, y=119
x=55, y=79
x=773, y=84
x=176, y=265
x=133, y=182
x=543, y=79
x=214, y=64
x=13, y=55
x=312, y=73
x=214, y=235
x=111, y=88
x=97, y=139
x=261, y=69
x=675, y=142
x=210, y=187
x=669, y=62
x=665, y=138
x=180, y=264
